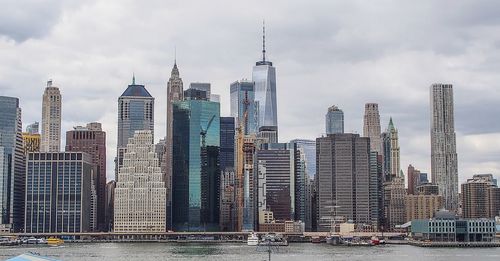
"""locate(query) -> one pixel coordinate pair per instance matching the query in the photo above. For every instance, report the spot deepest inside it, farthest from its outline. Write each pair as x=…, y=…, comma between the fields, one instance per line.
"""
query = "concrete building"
x=446, y=227
x=334, y=120
x=58, y=192
x=269, y=133
x=422, y=206
x=140, y=193
x=391, y=153
x=444, y=163
x=428, y=189
x=371, y=127
x=414, y=179
x=480, y=197
x=227, y=216
x=12, y=166
x=342, y=182
x=394, y=203
x=51, y=119
x=135, y=112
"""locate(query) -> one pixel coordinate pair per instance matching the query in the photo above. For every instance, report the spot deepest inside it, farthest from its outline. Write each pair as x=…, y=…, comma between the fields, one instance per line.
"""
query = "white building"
x=51, y=119
x=140, y=194
x=443, y=144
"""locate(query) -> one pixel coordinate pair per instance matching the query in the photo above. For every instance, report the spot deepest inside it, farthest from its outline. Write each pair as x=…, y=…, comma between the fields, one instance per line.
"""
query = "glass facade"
x=264, y=77
x=12, y=176
x=227, y=135
x=58, y=192
x=334, y=120
x=196, y=142
x=243, y=100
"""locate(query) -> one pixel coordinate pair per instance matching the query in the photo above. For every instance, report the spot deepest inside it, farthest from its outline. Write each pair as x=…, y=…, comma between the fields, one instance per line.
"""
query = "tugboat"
x=253, y=240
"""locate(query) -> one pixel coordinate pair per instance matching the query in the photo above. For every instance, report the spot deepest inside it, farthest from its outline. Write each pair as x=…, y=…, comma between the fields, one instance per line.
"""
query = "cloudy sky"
x=345, y=53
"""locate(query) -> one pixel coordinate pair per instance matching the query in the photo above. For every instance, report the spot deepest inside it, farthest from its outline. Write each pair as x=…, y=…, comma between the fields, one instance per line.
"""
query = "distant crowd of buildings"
x=215, y=173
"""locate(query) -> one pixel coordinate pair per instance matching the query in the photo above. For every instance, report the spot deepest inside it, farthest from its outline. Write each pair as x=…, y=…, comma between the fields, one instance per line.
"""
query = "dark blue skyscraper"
x=135, y=112
x=12, y=176
x=227, y=135
x=196, y=171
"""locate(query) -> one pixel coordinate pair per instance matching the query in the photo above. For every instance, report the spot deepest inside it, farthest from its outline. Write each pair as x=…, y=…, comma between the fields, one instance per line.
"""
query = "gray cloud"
x=325, y=52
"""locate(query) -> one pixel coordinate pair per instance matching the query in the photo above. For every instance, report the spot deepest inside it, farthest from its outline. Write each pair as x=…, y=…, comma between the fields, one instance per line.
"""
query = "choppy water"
x=304, y=251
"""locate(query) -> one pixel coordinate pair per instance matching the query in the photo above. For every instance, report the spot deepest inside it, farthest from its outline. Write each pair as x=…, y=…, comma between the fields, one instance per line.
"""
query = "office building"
x=376, y=191
x=371, y=126
x=33, y=128
x=12, y=168
x=414, y=179
x=334, y=120
x=275, y=163
x=227, y=216
x=480, y=197
x=443, y=144
x=264, y=77
x=110, y=205
x=31, y=142
x=394, y=203
x=59, y=192
x=51, y=119
x=268, y=133
x=135, y=112
x=92, y=140
x=202, y=86
x=196, y=170
x=422, y=206
x=140, y=193
x=390, y=153
x=343, y=179
x=244, y=107
x=227, y=143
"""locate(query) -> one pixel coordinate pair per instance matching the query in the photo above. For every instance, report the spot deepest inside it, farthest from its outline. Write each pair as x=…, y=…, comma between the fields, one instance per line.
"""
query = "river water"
x=296, y=251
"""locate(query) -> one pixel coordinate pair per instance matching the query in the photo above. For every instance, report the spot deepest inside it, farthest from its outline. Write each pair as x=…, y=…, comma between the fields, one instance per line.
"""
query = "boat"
x=333, y=240
x=375, y=241
x=54, y=241
x=273, y=240
x=253, y=240
x=315, y=240
x=33, y=240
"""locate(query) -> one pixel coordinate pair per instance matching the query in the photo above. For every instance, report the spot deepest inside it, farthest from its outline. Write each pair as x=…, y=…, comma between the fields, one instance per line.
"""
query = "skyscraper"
x=175, y=93
x=140, y=193
x=12, y=170
x=33, y=128
x=227, y=135
x=196, y=174
x=202, y=86
x=371, y=126
x=413, y=179
x=51, y=119
x=480, y=197
x=58, y=192
x=334, y=120
x=244, y=108
x=135, y=112
x=343, y=179
x=264, y=77
x=92, y=140
x=443, y=144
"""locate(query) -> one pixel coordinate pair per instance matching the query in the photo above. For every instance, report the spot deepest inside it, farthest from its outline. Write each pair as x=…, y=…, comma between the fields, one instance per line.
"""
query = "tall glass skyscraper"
x=334, y=120
x=264, y=77
x=12, y=176
x=227, y=135
x=243, y=103
x=196, y=174
x=135, y=112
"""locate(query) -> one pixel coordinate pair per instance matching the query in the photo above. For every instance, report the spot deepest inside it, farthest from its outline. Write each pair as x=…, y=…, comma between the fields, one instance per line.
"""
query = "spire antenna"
x=263, y=40
x=133, y=78
x=175, y=54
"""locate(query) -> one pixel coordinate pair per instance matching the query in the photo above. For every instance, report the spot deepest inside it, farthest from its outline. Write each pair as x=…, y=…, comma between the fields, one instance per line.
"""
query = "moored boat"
x=253, y=240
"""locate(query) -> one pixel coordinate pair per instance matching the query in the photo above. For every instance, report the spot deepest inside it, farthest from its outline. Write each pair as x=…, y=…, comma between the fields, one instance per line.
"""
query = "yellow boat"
x=55, y=241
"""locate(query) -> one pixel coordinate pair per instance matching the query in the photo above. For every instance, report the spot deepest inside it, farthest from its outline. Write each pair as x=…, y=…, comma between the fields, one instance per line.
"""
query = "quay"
x=454, y=244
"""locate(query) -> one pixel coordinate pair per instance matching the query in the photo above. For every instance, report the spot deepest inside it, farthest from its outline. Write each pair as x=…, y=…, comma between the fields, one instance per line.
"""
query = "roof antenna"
x=263, y=40
x=175, y=54
x=133, y=78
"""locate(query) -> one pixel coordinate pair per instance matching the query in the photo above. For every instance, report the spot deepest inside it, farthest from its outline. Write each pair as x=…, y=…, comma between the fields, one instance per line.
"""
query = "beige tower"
x=371, y=127
x=140, y=193
x=51, y=119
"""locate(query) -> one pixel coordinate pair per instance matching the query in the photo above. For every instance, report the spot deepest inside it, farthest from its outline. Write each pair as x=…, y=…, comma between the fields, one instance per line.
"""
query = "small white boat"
x=253, y=240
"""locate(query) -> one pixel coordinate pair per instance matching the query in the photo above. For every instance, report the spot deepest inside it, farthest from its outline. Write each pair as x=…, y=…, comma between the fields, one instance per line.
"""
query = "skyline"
x=92, y=76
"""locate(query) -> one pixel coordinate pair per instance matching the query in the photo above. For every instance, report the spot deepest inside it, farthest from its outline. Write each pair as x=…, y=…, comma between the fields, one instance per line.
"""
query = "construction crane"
x=203, y=132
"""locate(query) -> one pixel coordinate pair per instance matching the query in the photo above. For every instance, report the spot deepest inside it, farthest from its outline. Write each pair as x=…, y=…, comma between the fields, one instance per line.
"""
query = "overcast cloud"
x=345, y=53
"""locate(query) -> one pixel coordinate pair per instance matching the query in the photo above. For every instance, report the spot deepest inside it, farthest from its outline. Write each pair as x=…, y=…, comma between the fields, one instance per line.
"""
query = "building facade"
x=196, y=170
x=58, y=192
x=444, y=166
x=264, y=77
x=140, y=193
x=110, y=204
x=394, y=203
x=371, y=126
x=31, y=142
x=244, y=107
x=12, y=168
x=51, y=119
x=422, y=206
x=92, y=140
x=334, y=120
x=414, y=179
x=480, y=197
x=33, y=128
x=227, y=143
x=135, y=112
x=342, y=183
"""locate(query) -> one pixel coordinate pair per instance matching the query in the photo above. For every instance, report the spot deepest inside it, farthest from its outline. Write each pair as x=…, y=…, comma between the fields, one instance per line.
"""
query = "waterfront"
x=296, y=251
